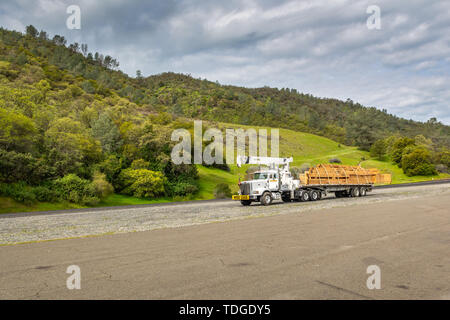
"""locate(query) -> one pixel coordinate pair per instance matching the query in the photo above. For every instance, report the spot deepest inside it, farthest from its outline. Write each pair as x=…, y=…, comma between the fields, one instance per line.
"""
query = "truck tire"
x=246, y=202
x=266, y=198
x=355, y=192
x=362, y=192
x=314, y=195
x=304, y=196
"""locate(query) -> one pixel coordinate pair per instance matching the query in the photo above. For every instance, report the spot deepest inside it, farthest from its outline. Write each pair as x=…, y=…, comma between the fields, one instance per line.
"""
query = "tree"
x=362, y=130
x=16, y=167
x=17, y=132
x=106, y=131
x=59, y=40
x=378, y=149
x=31, y=31
x=70, y=147
x=43, y=35
x=398, y=147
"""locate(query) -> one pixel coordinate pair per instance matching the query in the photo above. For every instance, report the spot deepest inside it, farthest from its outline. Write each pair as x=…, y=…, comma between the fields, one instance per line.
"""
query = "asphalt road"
x=321, y=253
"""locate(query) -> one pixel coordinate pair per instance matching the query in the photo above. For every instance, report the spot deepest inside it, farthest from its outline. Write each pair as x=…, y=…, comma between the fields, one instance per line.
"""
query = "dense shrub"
x=111, y=167
x=416, y=161
x=140, y=164
x=20, y=192
x=442, y=168
x=74, y=189
x=222, y=191
x=398, y=147
x=15, y=167
x=444, y=158
x=102, y=187
x=142, y=183
x=46, y=194
x=182, y=189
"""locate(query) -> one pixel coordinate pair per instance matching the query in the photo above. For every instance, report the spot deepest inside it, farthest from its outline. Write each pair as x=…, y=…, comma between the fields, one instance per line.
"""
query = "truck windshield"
x=260, y=176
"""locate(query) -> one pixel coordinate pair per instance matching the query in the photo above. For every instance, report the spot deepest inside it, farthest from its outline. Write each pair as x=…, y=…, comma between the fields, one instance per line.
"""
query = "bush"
x=416, y=161
x=142, y=183
x=444, y=158
x=25, y=196
x=182, y=189
x=45, y=194
x=139, y=164
x=222, y=191
x=20, y=192
x=398, y=147
x=111, y=167
x=102, y=187
x=335, y=160
x=15, y=167
x=74, y=189
x=442, y=168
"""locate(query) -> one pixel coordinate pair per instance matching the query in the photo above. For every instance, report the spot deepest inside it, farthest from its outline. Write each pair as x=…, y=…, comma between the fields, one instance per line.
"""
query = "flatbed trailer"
x=315, y=192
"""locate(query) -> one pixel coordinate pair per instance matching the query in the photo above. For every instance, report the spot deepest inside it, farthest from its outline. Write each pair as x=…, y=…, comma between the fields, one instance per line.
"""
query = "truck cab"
x=267, y=185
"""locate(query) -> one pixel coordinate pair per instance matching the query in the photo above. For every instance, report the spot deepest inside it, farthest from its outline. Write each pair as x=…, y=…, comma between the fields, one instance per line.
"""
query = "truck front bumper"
x=241, y=197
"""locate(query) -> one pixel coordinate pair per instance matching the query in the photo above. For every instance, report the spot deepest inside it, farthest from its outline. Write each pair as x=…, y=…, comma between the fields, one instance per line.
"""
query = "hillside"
x=182, y=95
x=75, y=131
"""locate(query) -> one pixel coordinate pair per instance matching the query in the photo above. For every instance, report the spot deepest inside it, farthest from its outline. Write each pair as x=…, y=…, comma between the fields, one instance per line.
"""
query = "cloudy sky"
x=321, y=47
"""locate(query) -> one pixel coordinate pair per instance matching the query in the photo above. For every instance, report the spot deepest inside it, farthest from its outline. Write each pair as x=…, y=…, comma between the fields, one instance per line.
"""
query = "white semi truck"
x=275, y=182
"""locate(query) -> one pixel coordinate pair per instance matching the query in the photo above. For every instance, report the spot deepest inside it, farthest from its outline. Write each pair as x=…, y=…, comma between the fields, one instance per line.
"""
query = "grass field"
x=303, y=147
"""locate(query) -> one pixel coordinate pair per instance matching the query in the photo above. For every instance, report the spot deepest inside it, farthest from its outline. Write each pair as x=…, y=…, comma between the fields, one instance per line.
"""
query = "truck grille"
x=245, y=188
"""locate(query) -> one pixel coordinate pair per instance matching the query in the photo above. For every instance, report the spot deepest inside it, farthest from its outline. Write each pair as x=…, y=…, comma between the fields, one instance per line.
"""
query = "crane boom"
x=268, y=161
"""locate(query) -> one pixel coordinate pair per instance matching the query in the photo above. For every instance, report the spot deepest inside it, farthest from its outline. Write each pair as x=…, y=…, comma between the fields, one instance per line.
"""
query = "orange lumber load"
x=333, y=174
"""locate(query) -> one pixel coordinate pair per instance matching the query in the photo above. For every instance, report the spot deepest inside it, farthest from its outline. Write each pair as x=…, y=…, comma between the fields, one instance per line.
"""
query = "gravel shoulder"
x=43, y=227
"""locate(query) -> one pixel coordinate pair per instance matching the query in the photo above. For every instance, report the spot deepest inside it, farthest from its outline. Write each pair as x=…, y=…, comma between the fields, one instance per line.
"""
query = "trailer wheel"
x=266, y=198
x=362, y=192
x=246, y=202
x=304, y=196
x=314, y=195
x=355, y=192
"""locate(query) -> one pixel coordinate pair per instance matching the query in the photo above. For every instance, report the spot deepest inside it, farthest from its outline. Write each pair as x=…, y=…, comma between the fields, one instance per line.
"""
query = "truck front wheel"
x=266, y=198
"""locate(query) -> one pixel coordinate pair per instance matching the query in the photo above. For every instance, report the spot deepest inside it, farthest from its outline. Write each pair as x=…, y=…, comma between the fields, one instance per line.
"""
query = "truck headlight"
x=256, y=192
